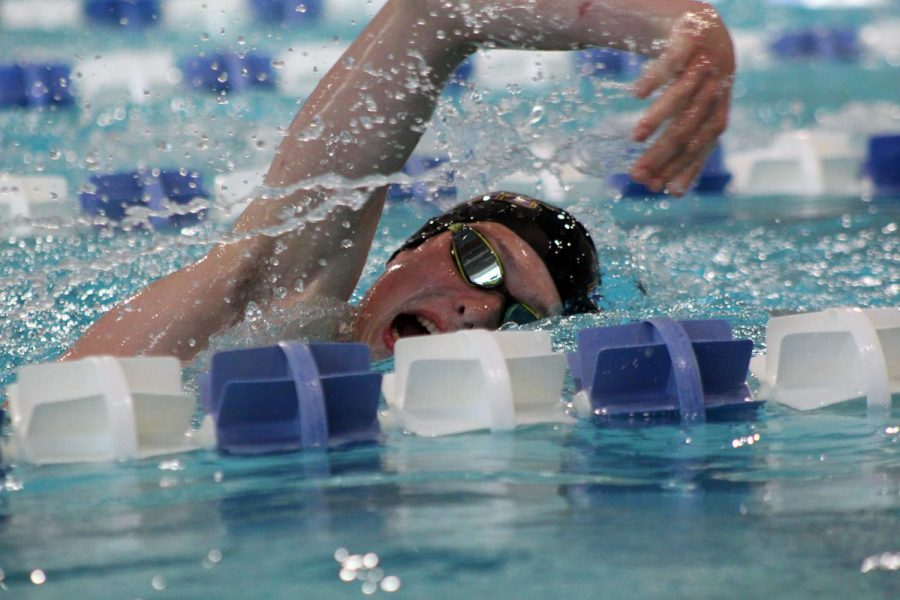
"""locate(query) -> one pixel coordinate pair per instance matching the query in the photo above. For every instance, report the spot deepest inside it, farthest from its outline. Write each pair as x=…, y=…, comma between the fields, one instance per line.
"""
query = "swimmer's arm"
x=363, y=119
x=694, y=65
x=177, y=314
x=367, y=114
x=399, y=64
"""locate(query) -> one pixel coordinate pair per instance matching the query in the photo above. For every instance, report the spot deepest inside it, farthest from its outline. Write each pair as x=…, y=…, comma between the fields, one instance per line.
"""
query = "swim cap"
x=558, y=238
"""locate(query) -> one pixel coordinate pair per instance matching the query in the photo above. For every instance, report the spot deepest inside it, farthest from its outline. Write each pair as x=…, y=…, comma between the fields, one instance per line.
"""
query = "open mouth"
x=409, y=325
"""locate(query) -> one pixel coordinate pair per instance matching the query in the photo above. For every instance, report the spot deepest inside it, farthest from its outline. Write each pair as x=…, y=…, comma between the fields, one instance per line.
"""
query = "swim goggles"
x=480, y=267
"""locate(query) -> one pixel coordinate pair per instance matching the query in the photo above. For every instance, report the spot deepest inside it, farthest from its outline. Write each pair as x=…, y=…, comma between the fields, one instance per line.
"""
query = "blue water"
x=790, y=505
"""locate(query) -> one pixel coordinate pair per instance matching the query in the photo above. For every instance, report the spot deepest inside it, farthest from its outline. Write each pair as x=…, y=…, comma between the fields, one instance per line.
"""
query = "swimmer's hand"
x=698, y=65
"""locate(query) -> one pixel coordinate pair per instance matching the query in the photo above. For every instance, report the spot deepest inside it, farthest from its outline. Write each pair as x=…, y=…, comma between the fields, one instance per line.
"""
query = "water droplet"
x=370, y=560
x=369, y=588
x=391, y=583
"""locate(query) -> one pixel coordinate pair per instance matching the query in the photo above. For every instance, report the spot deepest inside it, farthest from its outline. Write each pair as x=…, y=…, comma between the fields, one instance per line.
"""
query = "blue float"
x=712, y=180
x=224, y=72
x=287, y=11
x=840, y=43
x=462, y=75
x=291, y=396
x=35, y=85
x=132, y=14
x=608, y=62
x=685, y=371
x=113, y=194
x=419, y=165
x=883, y=164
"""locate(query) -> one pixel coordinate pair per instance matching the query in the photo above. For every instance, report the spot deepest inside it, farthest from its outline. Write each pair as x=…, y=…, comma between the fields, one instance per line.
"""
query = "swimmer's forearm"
x=364, y=119
x=369, y=111
x=637, y=25
x=367, y=114
x=316, y=258
x=175, y=315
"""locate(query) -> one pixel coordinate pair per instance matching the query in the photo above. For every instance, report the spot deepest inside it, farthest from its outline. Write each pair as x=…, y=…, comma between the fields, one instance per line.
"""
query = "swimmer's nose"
x=480, y=310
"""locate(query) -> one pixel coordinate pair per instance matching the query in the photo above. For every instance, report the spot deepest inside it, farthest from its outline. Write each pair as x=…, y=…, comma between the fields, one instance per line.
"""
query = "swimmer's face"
x=423, y=293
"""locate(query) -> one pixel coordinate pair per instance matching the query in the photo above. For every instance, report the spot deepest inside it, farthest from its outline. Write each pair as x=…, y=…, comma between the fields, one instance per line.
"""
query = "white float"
x=34, y=197
x=300, y=68
x=127, y=75
x=819, y=359
x=209, y=15
x=497, y=69
x=99, y=409
x=799, y=163
x=234, y=192
x=41, y=14
x=475, y=379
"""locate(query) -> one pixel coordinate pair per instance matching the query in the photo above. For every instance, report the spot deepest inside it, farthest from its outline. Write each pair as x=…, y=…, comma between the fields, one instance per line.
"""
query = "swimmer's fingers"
x=669, y=65
x=699, y=47
x=684, y=170
x=683, y=182
x=685, y=139
x=687, y=134
x=671, y=102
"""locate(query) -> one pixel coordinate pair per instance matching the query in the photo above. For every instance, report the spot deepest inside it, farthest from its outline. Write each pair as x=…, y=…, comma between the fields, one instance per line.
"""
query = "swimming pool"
x=788, y=505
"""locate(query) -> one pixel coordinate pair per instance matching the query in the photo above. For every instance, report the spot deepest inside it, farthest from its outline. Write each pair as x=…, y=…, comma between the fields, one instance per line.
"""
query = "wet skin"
x=422, y=292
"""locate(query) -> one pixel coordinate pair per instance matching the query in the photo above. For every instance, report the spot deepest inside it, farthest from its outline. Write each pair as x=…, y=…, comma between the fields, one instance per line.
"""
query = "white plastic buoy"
x=40, y=14
x=209, y=15
x=819, y=359
x=347, y=12
x=751, y=49
x=475, y=379
x=100, y=409
x=134, y=76
x=234, y=192
x=34, y=197
x=799, y=163
x=882, y=37
x=300, y=68
x=497, y=69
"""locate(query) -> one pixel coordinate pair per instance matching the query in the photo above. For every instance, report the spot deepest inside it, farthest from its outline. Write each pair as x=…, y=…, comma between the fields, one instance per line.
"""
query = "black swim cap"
x=558, y=238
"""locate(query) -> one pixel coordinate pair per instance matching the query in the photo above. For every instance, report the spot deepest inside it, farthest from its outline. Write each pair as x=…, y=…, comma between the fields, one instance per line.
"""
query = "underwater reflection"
x=77, y=522
x=314, y=494
x=694, y=470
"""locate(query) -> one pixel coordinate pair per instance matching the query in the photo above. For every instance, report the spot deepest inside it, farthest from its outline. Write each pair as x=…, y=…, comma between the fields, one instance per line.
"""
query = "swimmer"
x=500, y=257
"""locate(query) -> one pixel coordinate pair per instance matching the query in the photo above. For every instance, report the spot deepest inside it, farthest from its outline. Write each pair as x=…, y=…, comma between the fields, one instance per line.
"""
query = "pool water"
x=789, y=505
